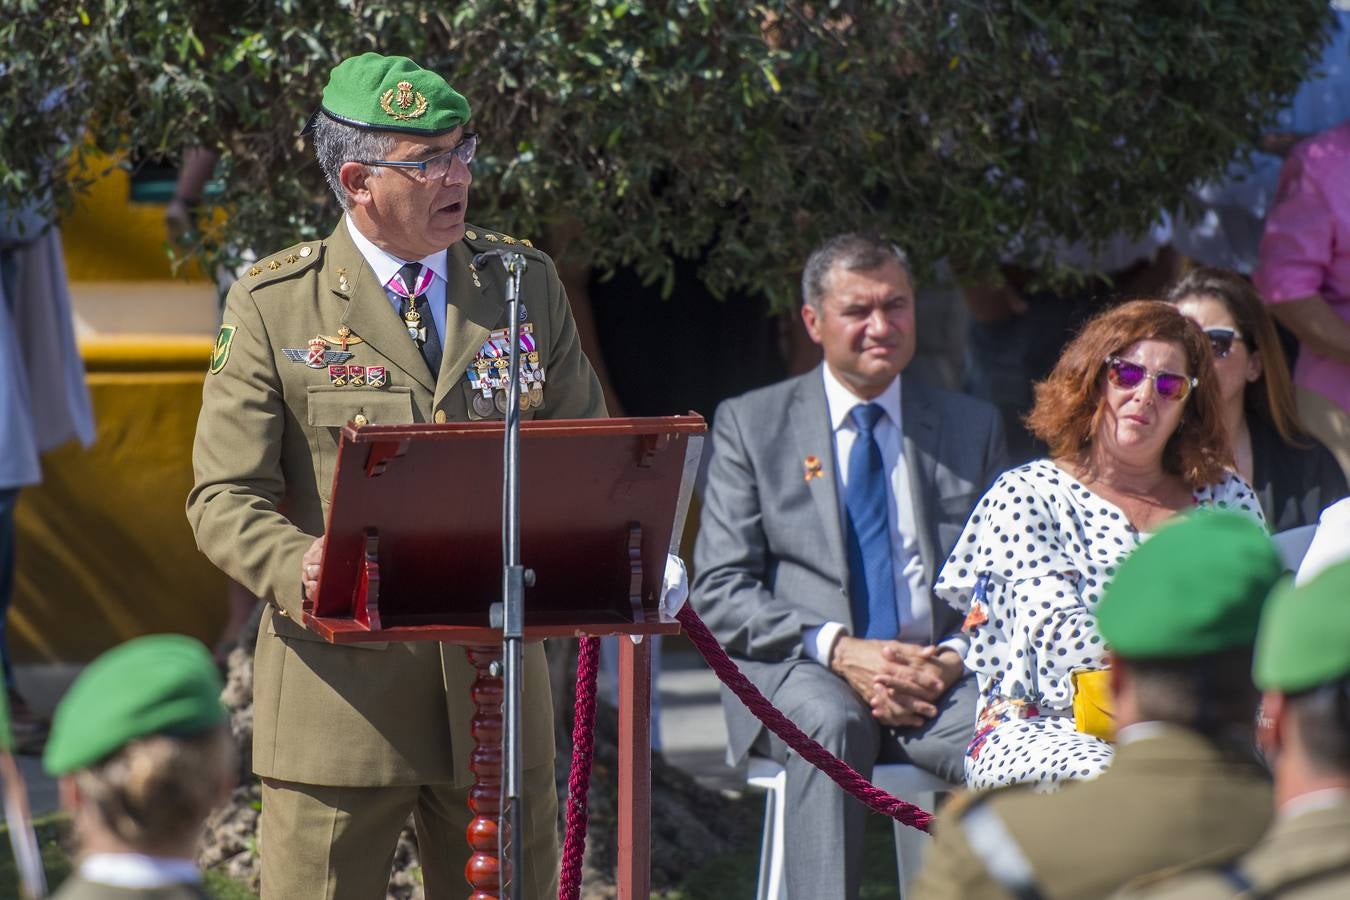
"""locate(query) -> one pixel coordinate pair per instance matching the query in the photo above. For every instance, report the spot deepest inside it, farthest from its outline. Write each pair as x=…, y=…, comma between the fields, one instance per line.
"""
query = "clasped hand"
x=901, y=682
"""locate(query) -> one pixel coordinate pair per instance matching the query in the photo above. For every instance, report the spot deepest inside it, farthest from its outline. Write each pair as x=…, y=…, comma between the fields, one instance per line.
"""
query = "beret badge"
x=413, y=103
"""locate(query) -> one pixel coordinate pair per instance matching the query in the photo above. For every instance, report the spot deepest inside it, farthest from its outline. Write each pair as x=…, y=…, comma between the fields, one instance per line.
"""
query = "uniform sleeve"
x=1018, y=573
x=951, y=870
x=234, y=505
x=574, y=389
x=1298, y=243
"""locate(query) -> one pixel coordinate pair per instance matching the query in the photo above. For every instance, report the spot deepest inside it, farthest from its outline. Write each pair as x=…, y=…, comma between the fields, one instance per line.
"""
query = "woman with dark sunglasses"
x=1133, y=419
x=1294, y=475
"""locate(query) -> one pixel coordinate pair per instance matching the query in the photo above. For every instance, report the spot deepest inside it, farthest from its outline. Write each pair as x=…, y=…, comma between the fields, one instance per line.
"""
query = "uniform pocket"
x=335, y=407
x=331, y=408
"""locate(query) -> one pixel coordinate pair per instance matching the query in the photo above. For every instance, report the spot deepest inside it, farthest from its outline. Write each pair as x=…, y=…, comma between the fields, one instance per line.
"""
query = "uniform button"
x=359, y=420
x=306, y=251
x=440, y=417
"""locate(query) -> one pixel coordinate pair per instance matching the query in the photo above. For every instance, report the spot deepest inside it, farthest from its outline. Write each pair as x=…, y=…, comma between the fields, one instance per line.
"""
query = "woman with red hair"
x=1134, y=422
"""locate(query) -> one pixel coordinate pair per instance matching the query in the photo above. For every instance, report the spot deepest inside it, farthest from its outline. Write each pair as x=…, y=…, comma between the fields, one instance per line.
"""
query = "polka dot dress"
x=1028, y=571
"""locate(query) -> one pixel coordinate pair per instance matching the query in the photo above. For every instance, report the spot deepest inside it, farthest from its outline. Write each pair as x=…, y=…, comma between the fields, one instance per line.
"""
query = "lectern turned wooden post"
x=412, y=552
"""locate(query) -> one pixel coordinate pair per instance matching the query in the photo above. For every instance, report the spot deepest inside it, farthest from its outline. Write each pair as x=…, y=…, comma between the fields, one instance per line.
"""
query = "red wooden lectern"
x=413, y=552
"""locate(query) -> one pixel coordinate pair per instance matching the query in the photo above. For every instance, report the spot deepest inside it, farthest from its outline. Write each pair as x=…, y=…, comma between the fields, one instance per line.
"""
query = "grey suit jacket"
x=770, y=559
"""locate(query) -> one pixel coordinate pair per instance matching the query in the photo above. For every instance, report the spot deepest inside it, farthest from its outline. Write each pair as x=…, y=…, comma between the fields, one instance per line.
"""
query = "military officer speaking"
x=385, y=321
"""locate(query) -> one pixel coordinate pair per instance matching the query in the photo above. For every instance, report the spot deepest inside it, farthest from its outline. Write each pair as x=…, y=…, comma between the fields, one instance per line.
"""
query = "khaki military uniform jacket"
x=1305, y=856
x=1167, y=798
x=374, y=714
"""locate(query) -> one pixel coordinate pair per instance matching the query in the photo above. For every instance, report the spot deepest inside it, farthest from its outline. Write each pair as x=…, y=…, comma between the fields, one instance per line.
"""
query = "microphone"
x=513, y=261
x=481, y=259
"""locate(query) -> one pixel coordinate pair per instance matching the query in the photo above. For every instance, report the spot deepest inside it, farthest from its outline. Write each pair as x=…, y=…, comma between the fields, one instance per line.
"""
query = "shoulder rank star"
x=318, y=355
x=813, y=468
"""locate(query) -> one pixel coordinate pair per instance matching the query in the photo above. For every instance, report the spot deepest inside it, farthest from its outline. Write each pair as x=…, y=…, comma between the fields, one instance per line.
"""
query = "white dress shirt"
x=385, y=266
x=913, y=611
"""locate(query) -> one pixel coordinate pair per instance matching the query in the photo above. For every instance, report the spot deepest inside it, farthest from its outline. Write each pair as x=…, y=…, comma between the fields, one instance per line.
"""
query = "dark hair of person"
x=1322, y=717
x=1211, y=694
x=1069, y=405
x=1270, y=397
x=853, y=253
x=155, y=789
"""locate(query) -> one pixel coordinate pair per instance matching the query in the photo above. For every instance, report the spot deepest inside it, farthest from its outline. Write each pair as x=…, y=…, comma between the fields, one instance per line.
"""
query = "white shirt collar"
x=840, y=400
x=1142, y=731
x=1313, y=801
x=385, y=265
x=135, y=870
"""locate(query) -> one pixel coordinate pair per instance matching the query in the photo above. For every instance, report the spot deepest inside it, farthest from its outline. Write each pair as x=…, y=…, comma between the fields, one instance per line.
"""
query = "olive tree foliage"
x=743, y=131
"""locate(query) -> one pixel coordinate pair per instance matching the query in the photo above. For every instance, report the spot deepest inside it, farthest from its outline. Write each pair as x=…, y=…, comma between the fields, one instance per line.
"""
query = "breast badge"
x=317, y=356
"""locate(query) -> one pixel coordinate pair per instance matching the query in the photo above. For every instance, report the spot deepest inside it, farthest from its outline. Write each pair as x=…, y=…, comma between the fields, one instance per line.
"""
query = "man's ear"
x=354, y=178
x=811, y=319
x=68, y=793
x=1271, y=723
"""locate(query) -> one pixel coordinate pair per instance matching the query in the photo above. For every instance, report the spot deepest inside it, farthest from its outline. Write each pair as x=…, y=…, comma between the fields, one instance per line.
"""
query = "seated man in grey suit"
x=832, y=500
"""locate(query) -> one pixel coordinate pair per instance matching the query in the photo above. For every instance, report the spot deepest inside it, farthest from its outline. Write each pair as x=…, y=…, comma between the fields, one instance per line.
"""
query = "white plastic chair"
x=907, y=782
x=1293, y=545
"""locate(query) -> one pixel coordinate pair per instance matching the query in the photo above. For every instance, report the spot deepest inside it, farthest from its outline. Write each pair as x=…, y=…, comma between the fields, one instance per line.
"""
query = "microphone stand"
x=509, y=614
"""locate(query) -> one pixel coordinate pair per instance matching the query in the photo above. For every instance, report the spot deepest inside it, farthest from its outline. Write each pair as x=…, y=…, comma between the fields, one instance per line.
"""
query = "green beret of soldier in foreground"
x=142, y=753
x=386, y=321
x=1303, y=666
x=1180, y=617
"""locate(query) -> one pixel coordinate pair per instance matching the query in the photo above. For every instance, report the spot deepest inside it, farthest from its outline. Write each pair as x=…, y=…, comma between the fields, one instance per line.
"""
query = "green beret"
x=1304, y=639
x=1194, y=588
x=159, y=684
x=390, y=93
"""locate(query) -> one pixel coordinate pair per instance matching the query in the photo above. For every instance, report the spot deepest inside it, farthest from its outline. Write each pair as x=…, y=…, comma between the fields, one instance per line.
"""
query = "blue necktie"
x=871, y=572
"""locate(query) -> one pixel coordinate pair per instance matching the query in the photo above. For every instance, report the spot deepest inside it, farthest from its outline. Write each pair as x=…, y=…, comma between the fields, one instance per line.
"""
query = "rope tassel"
x=579, y=779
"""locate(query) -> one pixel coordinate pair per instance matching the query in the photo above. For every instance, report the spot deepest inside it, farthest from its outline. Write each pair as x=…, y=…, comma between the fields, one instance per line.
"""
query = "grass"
x=53, y=833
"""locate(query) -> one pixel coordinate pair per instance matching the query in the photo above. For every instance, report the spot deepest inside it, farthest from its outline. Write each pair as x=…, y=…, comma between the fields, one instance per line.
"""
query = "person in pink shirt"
x=1304, y=274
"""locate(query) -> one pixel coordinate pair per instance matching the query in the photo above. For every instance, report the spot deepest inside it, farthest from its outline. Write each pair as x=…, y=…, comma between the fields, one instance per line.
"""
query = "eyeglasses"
x=1128, y=376
x=1221, y=340
x=437, y=167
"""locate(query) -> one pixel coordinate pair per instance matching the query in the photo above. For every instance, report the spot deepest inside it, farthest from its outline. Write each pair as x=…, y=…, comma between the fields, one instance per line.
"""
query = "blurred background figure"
x=1303, y=666
x=1224, y=227
x=1305, y=275
x=1295, y=477
x=143, y=754
x=1134, y=423
x=43, y=398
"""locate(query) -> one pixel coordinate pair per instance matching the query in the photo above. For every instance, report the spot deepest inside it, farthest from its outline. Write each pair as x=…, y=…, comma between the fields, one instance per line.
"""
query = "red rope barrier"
x=583, y=747
x=579, y=778
x=805, y=747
